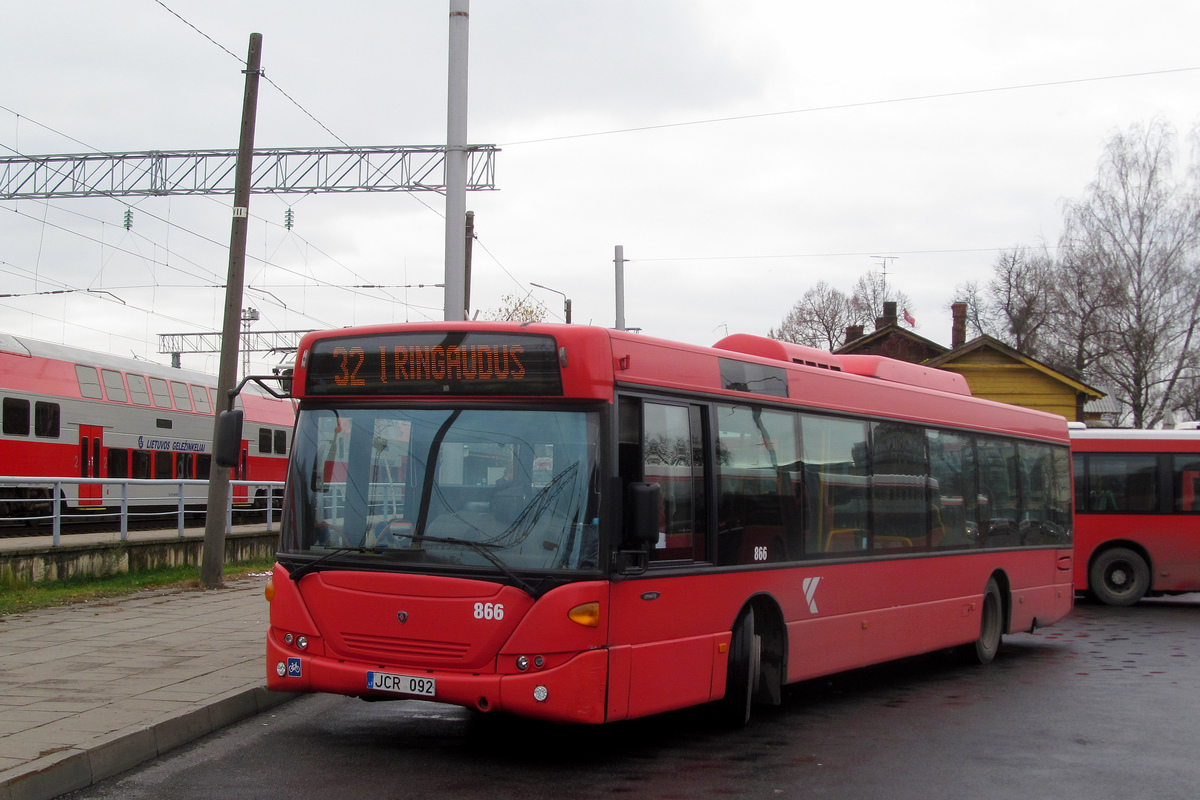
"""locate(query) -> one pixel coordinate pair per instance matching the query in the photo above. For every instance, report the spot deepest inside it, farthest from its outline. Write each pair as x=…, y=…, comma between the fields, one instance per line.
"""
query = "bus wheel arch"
x=757, y=665
x=1120, y=574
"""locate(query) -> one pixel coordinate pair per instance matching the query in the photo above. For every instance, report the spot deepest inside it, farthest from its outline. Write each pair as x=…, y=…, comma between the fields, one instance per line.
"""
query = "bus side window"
x=952, y=486
x=899, y=487
x=837, y=475
x=758, y=501
x=1187, y=483
x=999, y=493
x=673, y=457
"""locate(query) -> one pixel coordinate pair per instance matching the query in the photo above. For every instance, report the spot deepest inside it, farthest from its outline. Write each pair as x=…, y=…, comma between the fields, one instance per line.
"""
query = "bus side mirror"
x=644, y=501
x=227, y=449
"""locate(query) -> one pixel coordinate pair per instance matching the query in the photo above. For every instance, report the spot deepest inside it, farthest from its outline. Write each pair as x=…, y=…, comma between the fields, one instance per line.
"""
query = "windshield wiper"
x=479, y=547
x=311, y=566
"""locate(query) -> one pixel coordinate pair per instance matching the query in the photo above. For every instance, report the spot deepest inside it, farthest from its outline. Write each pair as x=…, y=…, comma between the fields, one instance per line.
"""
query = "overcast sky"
x=739, y=151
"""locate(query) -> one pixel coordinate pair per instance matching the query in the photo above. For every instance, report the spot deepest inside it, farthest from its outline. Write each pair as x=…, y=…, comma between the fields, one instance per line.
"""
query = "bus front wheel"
x=1119, y=577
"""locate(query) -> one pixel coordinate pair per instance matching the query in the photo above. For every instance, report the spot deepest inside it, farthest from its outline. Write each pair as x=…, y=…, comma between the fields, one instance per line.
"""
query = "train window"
x=89, y=382
x=45, y=420
x=163, y=465
x=200, y=395
x=16, y=417
x=203, y=465
x=183, y=465
x=141, y=464
x=138, y=390
x=179, y=391
x=281, y=442
x=114, y=386
x=158, y=388
x=264, y=440
x=118, y=463
x=165, y=424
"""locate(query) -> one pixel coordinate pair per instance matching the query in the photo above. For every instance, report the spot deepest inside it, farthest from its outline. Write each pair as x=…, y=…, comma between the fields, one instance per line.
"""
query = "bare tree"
x=1141, y=229
x=1120, y=306
x=518, y=309
x=1014, y=305
x=819, y=318
x=871, y=291
x=1021, y=286
x=1083, y=300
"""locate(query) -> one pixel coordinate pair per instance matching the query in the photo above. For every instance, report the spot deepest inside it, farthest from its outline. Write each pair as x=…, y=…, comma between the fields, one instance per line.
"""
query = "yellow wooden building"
x=998, y=372
x=992, y=369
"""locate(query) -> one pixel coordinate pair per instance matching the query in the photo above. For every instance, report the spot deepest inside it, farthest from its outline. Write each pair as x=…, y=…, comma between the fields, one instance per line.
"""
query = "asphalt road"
x=1104, y=705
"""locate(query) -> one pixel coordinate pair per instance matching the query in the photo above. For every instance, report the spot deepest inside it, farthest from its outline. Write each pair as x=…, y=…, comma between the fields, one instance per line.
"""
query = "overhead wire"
x=814, y=109
x=861, y=104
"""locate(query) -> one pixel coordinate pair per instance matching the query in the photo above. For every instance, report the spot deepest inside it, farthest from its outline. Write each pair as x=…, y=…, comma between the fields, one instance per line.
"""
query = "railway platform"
x=35, y=558
x=92, y=689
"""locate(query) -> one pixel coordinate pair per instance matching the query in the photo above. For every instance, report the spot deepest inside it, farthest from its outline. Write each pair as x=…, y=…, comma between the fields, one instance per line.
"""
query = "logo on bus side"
x=810, y=591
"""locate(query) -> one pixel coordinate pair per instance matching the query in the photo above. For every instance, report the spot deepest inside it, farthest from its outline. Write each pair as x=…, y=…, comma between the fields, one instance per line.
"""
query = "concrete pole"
x=620, y=262
x=213, y=555
x=456, y=164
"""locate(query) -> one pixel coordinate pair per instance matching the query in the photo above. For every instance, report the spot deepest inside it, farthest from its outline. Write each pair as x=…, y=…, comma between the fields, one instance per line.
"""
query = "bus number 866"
x=489, y=611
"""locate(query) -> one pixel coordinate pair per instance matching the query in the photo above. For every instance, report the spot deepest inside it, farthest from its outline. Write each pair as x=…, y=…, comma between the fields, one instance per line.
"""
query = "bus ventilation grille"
x=412, y=648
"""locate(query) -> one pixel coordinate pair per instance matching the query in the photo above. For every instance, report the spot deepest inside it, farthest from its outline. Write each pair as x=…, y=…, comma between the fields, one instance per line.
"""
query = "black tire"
x=1119, y=577
x=991, y=627
x=741, y=677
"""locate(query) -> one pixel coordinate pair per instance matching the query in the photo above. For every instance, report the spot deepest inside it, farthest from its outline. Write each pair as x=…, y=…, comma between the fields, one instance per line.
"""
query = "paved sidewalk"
x=90, y=690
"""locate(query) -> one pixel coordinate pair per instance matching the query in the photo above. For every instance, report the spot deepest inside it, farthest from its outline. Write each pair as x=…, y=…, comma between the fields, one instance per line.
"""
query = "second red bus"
x=1137, y=513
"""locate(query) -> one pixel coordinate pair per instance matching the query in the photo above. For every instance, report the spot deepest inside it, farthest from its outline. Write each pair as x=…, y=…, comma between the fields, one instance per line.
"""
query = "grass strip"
x=18, y=596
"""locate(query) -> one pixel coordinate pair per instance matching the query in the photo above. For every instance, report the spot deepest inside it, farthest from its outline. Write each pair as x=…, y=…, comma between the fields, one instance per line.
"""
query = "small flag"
x=908, y=318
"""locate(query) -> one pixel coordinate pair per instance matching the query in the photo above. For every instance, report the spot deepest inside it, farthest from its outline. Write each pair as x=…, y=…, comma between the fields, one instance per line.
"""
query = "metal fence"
x=149, y=499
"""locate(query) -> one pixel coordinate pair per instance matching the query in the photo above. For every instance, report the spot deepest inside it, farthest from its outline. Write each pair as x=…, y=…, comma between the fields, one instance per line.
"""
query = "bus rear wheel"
x=741, y=677
x=991, y=627
x=1119, y=577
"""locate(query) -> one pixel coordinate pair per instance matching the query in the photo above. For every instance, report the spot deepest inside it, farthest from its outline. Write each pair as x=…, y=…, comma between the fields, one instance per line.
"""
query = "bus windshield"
x=499, y=488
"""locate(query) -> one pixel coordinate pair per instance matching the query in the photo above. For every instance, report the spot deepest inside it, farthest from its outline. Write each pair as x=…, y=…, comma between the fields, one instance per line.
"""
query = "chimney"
x=853, y=333
x=889, y=315
x=958, y=330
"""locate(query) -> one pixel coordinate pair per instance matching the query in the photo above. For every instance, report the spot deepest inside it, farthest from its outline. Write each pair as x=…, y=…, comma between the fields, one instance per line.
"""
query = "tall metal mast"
x=456, y=164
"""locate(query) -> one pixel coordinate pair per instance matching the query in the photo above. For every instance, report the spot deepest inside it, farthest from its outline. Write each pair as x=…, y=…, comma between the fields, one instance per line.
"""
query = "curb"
x=78, y=767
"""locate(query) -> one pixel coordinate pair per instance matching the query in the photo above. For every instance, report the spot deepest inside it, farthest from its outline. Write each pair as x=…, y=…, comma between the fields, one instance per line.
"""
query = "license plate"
x=401, y=684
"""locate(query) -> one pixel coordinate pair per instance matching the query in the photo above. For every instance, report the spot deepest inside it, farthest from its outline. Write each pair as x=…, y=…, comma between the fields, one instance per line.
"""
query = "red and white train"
x=66, y=412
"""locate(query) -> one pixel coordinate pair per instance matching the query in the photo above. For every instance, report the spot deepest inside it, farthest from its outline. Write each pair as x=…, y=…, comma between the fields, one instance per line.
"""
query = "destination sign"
x=435, y=362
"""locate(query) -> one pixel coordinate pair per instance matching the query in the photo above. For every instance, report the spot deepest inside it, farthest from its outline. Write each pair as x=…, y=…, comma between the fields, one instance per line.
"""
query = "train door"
x=241, y=494
x=91, y=440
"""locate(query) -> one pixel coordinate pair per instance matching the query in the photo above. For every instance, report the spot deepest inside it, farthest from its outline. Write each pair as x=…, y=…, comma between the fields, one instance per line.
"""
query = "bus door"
x=90, y=443
x=657, y=638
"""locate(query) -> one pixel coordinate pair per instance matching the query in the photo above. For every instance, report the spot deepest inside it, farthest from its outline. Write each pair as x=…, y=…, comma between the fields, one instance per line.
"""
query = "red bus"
x=1137, y=515
x=586, y=525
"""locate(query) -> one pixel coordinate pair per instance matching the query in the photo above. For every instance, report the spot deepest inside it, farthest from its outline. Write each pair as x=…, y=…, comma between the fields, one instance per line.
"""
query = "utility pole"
x=456, y=163
x=213, y=557
x=468, y=242
x=619, y=260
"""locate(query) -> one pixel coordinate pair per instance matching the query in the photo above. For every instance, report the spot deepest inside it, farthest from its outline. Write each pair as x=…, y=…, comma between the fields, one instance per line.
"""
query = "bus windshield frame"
x=461, y=489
